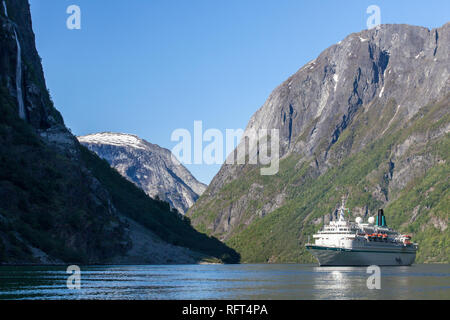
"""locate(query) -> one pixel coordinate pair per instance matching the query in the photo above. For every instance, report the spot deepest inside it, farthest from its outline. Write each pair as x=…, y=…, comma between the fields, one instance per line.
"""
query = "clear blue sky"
x=148, y=67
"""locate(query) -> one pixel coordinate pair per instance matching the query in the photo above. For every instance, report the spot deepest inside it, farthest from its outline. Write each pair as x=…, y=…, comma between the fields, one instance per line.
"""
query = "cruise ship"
x=346, y=243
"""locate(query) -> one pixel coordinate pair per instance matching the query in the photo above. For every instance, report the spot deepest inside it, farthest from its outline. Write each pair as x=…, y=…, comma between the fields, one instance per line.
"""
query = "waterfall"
x=22, y=114
x=19, y=79
x=4, y=7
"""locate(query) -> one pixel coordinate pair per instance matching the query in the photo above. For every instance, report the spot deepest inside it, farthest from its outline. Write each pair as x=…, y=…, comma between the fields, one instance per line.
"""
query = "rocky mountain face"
x=368, y=118
x=147, y=165
x=59, y=202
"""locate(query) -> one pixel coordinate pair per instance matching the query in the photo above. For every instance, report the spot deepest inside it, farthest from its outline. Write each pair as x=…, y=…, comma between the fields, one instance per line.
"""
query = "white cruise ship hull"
x=380, y=256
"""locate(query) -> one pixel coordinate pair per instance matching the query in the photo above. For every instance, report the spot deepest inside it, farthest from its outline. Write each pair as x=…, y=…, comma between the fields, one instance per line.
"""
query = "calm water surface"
x=247, y=281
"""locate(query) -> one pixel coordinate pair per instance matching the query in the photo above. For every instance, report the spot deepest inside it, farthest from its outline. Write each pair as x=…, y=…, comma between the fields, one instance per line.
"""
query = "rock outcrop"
x=147, y=165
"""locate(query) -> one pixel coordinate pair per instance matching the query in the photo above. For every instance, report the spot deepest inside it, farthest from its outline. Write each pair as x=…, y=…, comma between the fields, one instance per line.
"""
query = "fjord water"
x=245, y=281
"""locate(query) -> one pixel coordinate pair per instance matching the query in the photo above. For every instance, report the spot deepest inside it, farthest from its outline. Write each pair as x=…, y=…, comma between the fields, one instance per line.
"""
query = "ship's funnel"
x=380, y=218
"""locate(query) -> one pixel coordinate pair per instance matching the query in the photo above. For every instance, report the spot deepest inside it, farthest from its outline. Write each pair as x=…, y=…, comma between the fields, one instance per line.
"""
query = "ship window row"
x=339, y=229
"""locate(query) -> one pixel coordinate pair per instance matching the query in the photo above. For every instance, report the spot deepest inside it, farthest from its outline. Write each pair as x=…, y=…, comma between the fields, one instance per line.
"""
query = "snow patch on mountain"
x=113, y=139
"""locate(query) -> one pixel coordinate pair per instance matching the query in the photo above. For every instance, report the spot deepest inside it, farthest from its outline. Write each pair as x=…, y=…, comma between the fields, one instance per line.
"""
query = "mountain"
x=147, y=165
x=61, y=203
x=368, y=118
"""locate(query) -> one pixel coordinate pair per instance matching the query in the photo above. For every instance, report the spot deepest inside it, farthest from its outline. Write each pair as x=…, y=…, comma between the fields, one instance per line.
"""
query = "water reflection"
x=341, y=283
x=226, y=282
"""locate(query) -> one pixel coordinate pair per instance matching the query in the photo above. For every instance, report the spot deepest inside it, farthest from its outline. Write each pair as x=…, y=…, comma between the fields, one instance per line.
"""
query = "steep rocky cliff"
x=369, y=118
x=59, y=202
x=147, y=165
